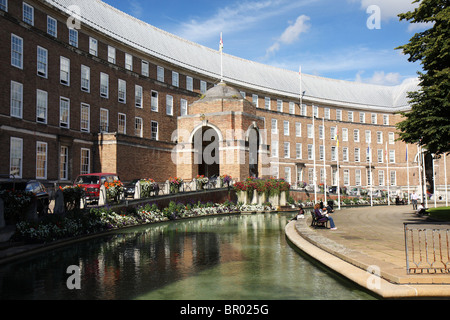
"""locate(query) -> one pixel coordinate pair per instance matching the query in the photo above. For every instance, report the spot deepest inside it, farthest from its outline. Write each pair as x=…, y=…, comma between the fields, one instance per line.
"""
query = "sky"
x=352, y=40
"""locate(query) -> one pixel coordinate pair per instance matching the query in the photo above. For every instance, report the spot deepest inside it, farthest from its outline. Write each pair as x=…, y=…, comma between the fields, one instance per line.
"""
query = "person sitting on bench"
x=421, y=209
x=321, y=215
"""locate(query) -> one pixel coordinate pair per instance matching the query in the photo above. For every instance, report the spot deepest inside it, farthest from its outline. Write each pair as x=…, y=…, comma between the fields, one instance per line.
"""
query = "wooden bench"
x=323, y=222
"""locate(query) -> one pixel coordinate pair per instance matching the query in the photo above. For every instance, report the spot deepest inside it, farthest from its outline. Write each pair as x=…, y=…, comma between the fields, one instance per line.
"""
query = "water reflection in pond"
x=221, y=257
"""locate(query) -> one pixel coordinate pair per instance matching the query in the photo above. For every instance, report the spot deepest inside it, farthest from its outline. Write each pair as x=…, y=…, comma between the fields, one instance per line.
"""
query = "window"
x=369, y=177
x=381, y=178
x=279, y=105
x=311, y=175
x=356, y=135
x=144, y=68
x=111, y=54
x=138, y=96
x=104, y=85
x=321, y=152
x=339, y=115
x=4, y=5
x=357, y=158
x=310, y=152
x=160, y=74
x=358, y=177
x=344, y=134
x=64, y=112
x=287, y=150
x=368, y=154
x=175, y=79
x=154, y=133
x=333, y=133
x=122, y=91
x=393, y=178
x=380, y=155
x=52, y=27
x=267, y=103
x=379, y=137
x=321, y=132
x=298, y=129
x=202, y=86
x=255, y=100
x=169, y=105
x=287, y=174
x=104, y=120
x=298, y=150
x=391, y=156
x=274, y=126
x=391, y=138
x=286, y=128
x=41, y=106
x=368, y=136
x=309, y=130
x=85, y=161
x=346, y=177
x=85, y=117
x=64, y=163
x=189, y=83
x=374, y=118
x=316, y=111
x=154, y=101
x=362, y=117
x=64, y=74
x=42, y=62
x=291, y=108
x=16, y=157
x=333, y=153
x=85, y=78
x=93, y=46
x=183, y=107
x=322, y=175
x=28, y=14
x=138, y=127
x=73, y=37
x=16, y=51
x=242, y=94
x=344, y=154
x=128, y=61
x=275, y=149
x=122, y=123
x=16, y=99
x=303, y=110
x=385, y=119
x=41, y=160
x=327, y=113
x=350, y=116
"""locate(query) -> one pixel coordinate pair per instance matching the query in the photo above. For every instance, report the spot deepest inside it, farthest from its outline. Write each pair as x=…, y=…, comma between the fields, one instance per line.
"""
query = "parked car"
x=33, y=186
x=130, y=188
x=92, y=183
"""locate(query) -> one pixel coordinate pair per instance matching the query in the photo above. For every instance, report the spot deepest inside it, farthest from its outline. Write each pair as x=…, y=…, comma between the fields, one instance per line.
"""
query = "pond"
x=229, y=257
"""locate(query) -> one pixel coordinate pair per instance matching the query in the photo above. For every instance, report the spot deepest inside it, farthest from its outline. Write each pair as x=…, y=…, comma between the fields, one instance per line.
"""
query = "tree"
x=428, y=121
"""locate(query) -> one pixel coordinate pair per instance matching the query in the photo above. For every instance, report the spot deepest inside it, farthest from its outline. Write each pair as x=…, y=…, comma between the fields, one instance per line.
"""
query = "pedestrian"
x=414, y=198
x=320, y=216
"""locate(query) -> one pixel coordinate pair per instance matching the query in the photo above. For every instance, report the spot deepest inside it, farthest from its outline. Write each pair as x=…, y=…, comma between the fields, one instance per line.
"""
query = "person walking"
x=414, y=198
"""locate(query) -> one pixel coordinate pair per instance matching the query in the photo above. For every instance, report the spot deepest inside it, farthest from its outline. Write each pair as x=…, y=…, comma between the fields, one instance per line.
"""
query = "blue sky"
x=329, y=38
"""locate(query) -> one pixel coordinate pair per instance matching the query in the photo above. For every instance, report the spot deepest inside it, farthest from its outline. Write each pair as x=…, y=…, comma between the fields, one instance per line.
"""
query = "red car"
x=92, y=182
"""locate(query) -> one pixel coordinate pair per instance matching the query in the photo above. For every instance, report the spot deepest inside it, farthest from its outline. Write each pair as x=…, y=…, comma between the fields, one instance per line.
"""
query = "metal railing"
x=427, y=248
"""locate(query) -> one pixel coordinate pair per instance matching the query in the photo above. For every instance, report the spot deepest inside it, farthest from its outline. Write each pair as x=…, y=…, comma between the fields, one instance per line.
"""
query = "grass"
x=441, y=213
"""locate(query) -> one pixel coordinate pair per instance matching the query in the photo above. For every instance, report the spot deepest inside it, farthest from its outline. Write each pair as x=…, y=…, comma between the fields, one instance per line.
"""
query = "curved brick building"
x=88, y=88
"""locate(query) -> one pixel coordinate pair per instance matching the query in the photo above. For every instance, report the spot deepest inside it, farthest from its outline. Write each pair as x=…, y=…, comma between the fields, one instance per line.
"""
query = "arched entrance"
x=206, y=146
x=253, y=143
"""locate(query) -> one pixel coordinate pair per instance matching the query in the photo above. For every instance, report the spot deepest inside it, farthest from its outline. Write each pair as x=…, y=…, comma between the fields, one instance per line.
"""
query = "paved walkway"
x=369, y=238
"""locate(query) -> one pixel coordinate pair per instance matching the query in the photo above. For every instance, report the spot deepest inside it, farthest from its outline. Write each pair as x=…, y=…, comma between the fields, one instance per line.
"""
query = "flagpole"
x=314, y=155
x=419, y=166
x=301, y=92
x=338, y=178
x=434, y=183
x=388, y=175
x=324, y=168
x=445, y=177
x=221, y=58
x=424, y=178
x=370, y=175
x=407, y=173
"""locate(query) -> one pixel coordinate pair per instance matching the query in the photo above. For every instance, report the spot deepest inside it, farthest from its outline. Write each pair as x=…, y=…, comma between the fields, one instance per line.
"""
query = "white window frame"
x=385, y=119
x=104, y=85
x=275, y=149
x=85, y=78
x=310, y=152
x=391, y=137
x=128, y=61
x=104, y=120
x=183, y=107
x=85, y=117
x=298, y=129
x=379, y=137
x=381, y=178
x=362, y=117
x=154, y=101
x=357, y=155
x=380, y=156
x=274, y=126
x=111, y=54
x=298, y=150
x=356, y=135
x=346, y=176
x=339, y=115
x=122, y=123
x=189, y=83
x=255, y=100
x=203, y=86
x=4, y=5
x=175, y=79
x=373, y=119
x=138, y=127
x=16, y=51
x=64, y=71
x=64, y=163
x=287, y=150
x=64, y=123
x=345, y=156
x=287, y=174
x=286, y=128
x=42, y=62
x=279, y=105
x=25, y=18
x=291, y=108
x=41, y=106
x=160, y=73
x=122, y=91
x=93, y=46
x=169, y=105
x=16, y=154
x=327, y=113
x=85, y=161
x=393, y=177
x=145, y=68
x=41, y=159
x=154, y=135
x=16, y=100
x=50, y=30
x=350, y=116
x=139, y=96
x=73, y=37
x=267, y=103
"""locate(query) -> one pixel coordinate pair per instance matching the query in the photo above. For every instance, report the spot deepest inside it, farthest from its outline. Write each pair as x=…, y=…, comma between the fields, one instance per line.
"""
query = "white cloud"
x=390, y=9
x=291, y=34
x=381, y=78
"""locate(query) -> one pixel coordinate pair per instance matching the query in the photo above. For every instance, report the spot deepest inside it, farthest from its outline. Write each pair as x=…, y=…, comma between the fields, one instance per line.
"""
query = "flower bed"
x=55, y=227
x=16, y=203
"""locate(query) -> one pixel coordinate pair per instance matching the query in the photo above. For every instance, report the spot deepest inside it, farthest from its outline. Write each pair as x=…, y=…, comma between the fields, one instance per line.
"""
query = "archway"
x=206, y=145
x=253, y=143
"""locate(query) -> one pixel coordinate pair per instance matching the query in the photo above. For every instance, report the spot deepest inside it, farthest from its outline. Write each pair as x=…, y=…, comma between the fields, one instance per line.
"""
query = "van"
x=91, y=183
